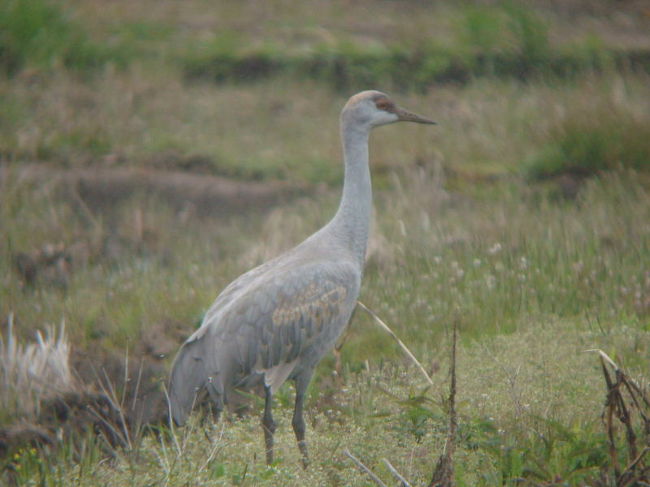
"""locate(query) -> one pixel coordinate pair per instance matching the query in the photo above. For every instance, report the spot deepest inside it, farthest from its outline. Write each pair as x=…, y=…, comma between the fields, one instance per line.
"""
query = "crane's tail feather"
x=188, y=377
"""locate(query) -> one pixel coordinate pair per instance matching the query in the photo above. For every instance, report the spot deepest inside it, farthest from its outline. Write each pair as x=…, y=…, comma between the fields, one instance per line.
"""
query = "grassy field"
x=523, y=217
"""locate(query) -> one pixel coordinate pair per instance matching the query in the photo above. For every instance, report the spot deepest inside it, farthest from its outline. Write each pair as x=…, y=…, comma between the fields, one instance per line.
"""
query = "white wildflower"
x=495, y=249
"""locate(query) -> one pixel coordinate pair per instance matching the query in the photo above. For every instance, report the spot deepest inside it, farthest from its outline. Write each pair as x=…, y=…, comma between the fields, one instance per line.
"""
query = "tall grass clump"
x=507, y=38
x=530, y=33
x=39, y=34
x=590, y=139
x=33, y=371
x=514, y=40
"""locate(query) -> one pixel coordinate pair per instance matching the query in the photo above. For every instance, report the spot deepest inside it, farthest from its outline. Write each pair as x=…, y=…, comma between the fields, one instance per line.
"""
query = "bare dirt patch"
x=101, y=187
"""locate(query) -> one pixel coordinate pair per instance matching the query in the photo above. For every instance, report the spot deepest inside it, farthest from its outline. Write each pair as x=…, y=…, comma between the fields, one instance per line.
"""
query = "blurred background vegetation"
x=151, y=151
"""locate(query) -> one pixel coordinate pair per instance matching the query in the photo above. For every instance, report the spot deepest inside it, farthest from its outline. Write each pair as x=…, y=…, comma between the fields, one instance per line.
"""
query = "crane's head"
x=373, y=108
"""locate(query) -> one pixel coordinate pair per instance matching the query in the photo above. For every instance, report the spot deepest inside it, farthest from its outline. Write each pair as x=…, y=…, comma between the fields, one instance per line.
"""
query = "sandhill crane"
x=276, y=321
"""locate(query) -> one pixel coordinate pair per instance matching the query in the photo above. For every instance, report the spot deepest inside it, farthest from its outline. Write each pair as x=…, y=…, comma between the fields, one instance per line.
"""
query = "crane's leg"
x=268, y=425
x=298, y=422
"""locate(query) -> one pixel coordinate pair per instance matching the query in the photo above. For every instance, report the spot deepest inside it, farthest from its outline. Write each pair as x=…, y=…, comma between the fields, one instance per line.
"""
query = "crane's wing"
x=194, y=365
x=301, y=311
x=266, y=328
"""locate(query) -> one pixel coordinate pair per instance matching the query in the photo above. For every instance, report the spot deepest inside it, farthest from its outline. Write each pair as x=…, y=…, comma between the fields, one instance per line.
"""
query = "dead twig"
x=109, y=391
x=396, y=474
x=630, y=468
x=215, y=448
x=443, y=475
x=604, y=357
x=365, y=469
x=172, y=431
x=386, y=328
x=625, y=407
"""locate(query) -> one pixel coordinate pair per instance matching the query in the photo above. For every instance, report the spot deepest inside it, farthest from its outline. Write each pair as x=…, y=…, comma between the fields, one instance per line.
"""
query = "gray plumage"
x=278, y=320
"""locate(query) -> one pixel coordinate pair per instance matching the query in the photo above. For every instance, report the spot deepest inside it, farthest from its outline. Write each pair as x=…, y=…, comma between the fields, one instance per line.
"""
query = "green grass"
x=346, y=66
x=506, y=40
x=524, y=413
x=145, y=114
x=592, y=139
x=149, y=119
x=532, y=282
x=39, y=34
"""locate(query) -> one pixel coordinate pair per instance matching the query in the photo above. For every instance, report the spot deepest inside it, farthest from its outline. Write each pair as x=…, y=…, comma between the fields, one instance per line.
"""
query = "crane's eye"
x=384, y=104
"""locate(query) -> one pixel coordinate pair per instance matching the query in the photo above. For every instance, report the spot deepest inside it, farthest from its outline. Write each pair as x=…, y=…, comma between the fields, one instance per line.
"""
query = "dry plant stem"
x=137, y=385
x=84, y=209
x=163, y=457
x=171, y=422
x=382, y=324
x=396, y=474
x=624, y=413
x=604, y=357
x=112, y=397
x=634, y=390
x=358, y=463
x=637, y=460
x=443, y=475
x=109, y=393
x=115, y=432
x=636, y=472
x=125, y=379
x=214, y=450
x=608, y=413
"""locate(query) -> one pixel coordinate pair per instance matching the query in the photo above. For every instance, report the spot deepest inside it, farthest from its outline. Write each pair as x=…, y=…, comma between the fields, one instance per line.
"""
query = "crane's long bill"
x=406, y=116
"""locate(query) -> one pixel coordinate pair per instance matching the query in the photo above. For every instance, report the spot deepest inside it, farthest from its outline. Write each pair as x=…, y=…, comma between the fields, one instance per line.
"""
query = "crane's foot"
x=302, y=446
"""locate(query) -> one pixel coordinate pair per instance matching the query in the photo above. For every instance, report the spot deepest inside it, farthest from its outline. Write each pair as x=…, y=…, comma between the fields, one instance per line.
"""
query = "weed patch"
x=349, y=67
x=508, y=40
x=592, y=139
x=39, y=34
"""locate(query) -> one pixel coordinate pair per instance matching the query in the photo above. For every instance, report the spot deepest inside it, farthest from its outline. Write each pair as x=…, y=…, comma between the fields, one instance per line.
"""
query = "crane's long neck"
x=352, y=220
